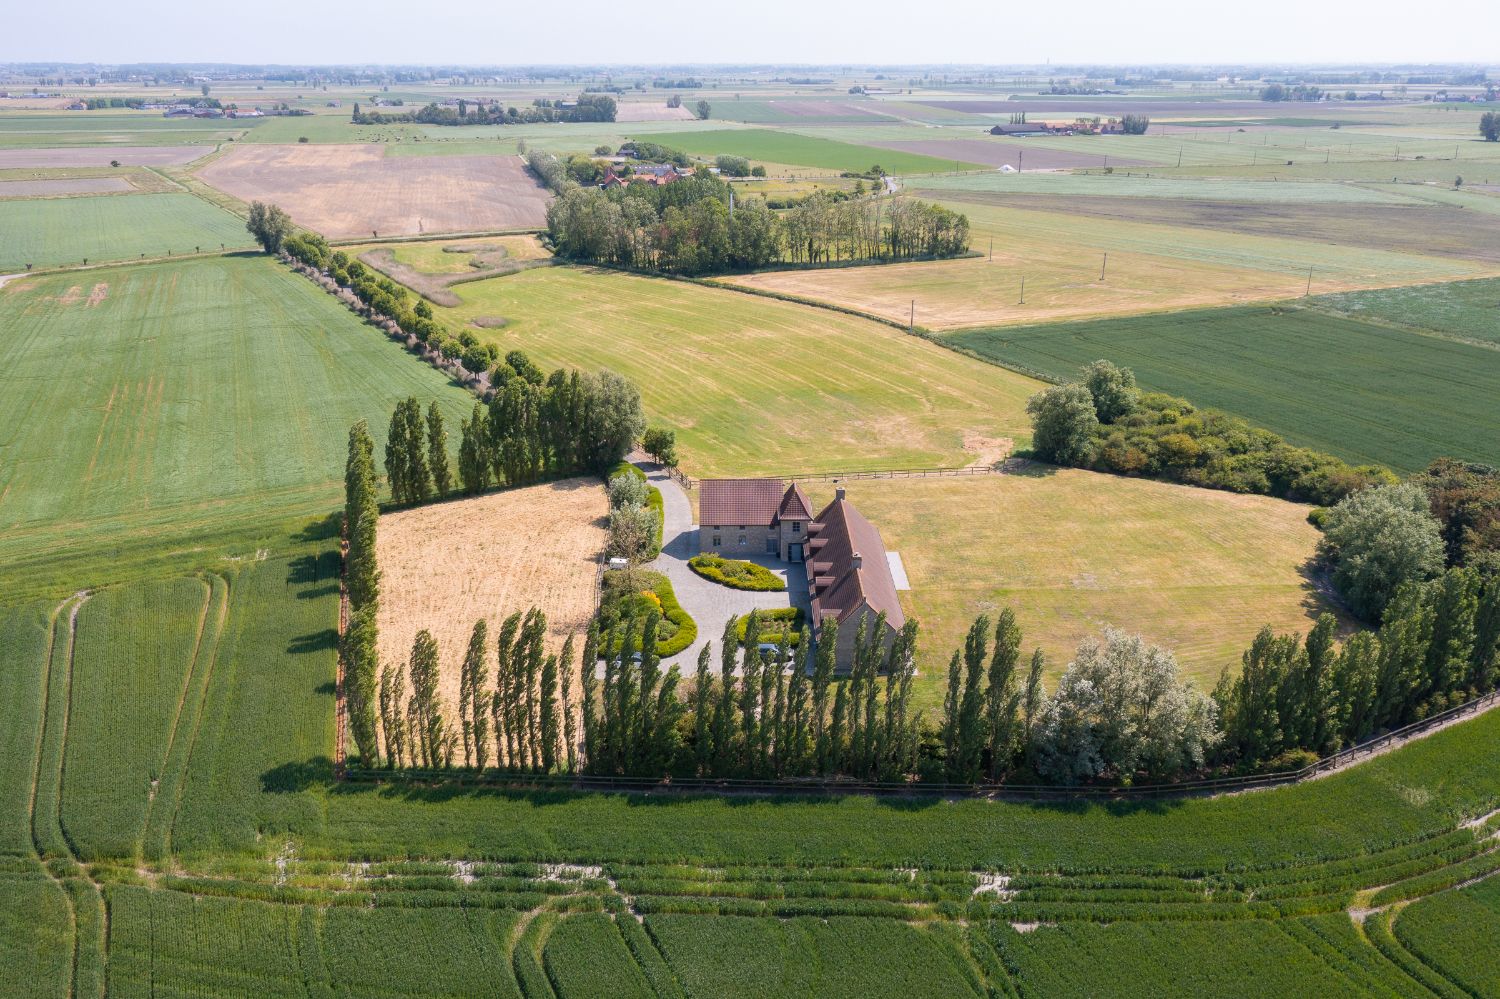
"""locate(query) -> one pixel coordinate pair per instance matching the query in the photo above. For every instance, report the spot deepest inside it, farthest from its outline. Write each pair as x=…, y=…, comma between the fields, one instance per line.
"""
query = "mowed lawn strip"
x=1365, y=392
x=753, y=385
x=765, y=145
x=149, y=408
x=51, y=232
x=1071, y=552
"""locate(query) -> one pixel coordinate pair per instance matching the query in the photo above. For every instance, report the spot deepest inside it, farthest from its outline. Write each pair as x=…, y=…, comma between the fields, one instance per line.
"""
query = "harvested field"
x=1439, y=230
x=996, y=153
x=62, y=188
x=1112, y=105
x=344, y=191
x=445, y=565
x=101, y=156
x=631, y=111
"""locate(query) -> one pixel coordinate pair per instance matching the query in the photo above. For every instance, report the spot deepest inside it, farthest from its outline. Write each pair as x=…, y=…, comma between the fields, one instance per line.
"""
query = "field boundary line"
x=1000, y=467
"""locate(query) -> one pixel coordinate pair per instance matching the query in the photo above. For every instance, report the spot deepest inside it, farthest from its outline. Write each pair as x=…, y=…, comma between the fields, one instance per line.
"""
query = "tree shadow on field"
x=325, y=640
x=322, y=529
x=297, y=776
x=316, y=575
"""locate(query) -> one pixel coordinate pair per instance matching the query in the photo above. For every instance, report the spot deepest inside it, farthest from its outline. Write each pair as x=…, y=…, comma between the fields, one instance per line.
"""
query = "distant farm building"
x=849, y=575
x=1022, y=129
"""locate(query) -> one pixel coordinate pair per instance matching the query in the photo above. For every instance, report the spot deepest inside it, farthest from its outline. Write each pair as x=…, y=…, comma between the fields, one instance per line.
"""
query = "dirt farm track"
x=345, y=191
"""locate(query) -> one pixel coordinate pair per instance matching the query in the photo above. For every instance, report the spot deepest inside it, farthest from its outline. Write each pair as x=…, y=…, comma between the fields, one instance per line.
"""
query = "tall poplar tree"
x=701, y=692
x=423, y=710
x=437, y=450
x=472, y=710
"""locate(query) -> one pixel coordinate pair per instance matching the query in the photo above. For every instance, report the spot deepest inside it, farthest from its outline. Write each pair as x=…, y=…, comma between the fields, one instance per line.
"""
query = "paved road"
x=709, y=603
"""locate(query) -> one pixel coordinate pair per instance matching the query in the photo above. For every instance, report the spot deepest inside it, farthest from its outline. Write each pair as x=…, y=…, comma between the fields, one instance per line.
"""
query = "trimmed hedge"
x=736, y=574
x=686, y=628
x=781, y=619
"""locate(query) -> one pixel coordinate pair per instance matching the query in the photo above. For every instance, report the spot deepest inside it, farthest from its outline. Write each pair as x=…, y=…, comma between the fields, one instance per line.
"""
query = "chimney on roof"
x=856, y=560
x=838, y=492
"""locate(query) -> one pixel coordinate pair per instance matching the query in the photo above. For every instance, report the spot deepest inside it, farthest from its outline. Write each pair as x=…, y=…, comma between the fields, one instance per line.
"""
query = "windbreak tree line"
x=1103, y=422
x=588, y=107
x=686, y=227
x=570, y=423
x=359, y=647
x=1438, y=645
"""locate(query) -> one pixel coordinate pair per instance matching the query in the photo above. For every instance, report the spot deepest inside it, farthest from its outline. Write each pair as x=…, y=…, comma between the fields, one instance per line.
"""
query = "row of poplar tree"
x=359, y=648
x=532, y=429
x=1438, y=645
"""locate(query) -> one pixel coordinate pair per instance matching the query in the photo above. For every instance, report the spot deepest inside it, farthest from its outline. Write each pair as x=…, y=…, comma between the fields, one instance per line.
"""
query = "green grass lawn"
x=1365, y=392
x=210, y=399
x=1467, y=310
x=753, y=385
x=769, y=146
x=49, y=232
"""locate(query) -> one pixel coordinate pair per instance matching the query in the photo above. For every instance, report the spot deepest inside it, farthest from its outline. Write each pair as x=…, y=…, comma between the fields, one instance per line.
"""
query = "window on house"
x=742, y=539
x=796, y=527
x=716, y=541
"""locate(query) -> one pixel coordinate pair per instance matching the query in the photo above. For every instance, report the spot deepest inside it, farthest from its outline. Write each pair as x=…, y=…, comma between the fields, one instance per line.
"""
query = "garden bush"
x=773, y=624
x=676, y=629
x=735, y=573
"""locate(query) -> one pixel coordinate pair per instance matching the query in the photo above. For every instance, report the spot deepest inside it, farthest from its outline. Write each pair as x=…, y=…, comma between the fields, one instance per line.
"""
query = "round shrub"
x=736, y=574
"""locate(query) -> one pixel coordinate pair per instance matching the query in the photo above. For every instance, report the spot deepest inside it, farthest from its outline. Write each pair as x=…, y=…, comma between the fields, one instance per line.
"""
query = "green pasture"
x=52, y=232
x=753, y=385
x=1132, y=184
x=106, y=128
x=765, y=145
x=1366, y=392
x=154, y=404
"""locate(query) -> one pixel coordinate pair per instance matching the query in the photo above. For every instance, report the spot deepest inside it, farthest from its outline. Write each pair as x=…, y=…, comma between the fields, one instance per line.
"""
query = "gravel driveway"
x=709, y=603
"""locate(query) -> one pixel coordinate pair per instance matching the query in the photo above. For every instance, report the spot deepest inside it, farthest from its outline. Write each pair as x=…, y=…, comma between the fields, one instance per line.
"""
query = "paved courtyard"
x=709, y=604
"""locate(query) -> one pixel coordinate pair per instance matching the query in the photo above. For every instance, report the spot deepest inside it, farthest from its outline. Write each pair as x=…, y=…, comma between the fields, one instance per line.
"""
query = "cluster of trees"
x=359, y=649
x=416, y=454
x=634, y=527
x=1438, y=645
x=1105, y=423
x=1489, y=126
x=387, y=298
x=1300, y=92
x=738, y=166
x=536, y=428
x=1135, y=124
x=1465, y=499
x=686, y=228
x=588, y=107
x=269, y=226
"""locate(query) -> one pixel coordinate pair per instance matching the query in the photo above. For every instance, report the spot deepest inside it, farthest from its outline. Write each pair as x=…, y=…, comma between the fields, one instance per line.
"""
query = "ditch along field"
x=51, y=232
x=753, y=385
x=351, y=191
x=1151, y=267
x=179, y=413
x=171, y=826
x=1366, y=391
x=1196, y=570
x=446, y=565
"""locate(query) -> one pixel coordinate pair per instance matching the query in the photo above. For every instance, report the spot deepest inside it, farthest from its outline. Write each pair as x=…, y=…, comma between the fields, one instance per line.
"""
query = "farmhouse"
x=849, y=578
x=1021, y=129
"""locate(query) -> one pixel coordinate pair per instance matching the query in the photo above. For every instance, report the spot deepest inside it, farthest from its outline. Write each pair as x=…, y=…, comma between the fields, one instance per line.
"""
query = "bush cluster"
x=632, y=595
x=773, y=625
x=736, y=573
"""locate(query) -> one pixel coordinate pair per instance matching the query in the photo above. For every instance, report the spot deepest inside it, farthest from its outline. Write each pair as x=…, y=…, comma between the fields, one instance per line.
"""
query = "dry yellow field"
x=1150, y=268
x=445, y=565
x=1197, y=570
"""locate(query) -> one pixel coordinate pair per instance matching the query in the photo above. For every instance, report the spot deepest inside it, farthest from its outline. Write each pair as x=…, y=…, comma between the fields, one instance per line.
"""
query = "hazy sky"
x=779, y=31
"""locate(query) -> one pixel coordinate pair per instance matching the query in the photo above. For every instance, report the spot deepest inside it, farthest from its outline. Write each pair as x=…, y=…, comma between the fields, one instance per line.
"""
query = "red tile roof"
x=732, y=502
x=794, y=505
x=843, y=587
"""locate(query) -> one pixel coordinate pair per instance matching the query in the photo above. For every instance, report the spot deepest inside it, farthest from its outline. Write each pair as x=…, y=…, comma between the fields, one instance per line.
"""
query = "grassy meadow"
x=765, y=145
x=1151, y=267
x=1364, y=391
x=52, y=232
x=752, y=385
x=214, y=403
x=1071, y=552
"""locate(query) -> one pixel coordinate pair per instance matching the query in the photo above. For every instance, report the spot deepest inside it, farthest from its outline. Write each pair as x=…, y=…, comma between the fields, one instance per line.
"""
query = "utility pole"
x=911, y=323
x=1103, y=266
x=1020, y=160
x=1023, y=290
x=1179, y=156
x=992, y=249
x=1309, y=283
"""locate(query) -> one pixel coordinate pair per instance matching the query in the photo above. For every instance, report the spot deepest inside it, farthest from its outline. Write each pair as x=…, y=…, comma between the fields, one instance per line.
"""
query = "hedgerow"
x=736, y=573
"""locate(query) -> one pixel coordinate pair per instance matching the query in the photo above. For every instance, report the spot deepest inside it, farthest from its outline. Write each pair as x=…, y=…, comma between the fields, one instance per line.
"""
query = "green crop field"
x=1465, y=310
x=111, y=128
x=215, y=402
x=768, y=146
x=1366, y=392
x=754, y=385
x=49, y=232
